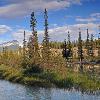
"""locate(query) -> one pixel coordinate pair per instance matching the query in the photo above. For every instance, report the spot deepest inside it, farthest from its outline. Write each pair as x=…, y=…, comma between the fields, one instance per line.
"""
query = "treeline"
x=89, y=48
x=90, y=45
x=32, y=56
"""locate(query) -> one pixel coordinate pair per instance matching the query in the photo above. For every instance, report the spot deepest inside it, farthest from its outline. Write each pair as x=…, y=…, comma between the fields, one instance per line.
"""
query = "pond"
x=12, y=91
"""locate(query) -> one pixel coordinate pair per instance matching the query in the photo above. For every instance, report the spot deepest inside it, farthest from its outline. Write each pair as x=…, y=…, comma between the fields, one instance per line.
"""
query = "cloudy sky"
x=63, y=15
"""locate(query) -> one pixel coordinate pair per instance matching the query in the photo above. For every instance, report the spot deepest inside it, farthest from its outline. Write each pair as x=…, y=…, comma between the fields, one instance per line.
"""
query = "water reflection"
x=10, y=91
x=39, y=93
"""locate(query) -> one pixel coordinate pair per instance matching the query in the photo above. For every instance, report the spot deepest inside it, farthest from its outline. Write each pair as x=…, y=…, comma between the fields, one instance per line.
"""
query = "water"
x=12, y=91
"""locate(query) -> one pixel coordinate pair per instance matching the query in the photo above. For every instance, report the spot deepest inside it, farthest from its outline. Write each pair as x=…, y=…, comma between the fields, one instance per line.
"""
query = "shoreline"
x=16, y=76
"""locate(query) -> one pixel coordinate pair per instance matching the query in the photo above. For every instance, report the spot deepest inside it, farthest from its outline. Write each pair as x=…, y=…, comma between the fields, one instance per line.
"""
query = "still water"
x=12, y=91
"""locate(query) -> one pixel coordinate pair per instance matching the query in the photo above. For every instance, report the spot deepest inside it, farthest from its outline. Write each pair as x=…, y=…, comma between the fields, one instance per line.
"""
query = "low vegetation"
x=50, y=79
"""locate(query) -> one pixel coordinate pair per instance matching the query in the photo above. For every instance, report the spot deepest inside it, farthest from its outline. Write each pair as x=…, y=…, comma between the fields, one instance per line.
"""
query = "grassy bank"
x=16, y=75
x=48, y=79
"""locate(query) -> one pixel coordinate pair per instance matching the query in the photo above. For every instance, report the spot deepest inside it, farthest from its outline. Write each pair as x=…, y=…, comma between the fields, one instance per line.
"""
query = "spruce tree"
x=69, y=47
x=87, y=43
x=24, y=63
x=30, y=47
x=80, y=51
x=46, y=47
x=36, y=49
x=33, y=42
x=64, y=52
x=24, y=47
x=91, y=51
x=99, y=44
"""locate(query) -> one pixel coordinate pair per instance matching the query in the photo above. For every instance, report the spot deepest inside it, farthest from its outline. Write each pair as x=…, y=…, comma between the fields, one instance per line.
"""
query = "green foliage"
x=33, y=48
x=32, y=69
x=67, y=49
x=80, y=49
x=91, y=53
x=65, y=52
x=87, y=44
x=56, y=45
x=49, y=76
x=45, y=44
x=43, y=78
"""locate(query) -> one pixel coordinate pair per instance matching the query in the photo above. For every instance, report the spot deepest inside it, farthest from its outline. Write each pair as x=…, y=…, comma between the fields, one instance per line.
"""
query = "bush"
x=49, y=76
x=32, y=69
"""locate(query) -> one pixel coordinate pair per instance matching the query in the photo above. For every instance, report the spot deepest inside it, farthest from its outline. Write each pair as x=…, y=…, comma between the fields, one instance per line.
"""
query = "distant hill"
x=11, y=45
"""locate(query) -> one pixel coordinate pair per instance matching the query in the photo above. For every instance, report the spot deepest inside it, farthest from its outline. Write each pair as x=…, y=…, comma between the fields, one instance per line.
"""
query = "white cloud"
x=97, y=15
x=86, y=19
x=75, y=30
x=4, y=29
x=60, y=33
x=24, y=7
x=19, y=35
x=92, y=18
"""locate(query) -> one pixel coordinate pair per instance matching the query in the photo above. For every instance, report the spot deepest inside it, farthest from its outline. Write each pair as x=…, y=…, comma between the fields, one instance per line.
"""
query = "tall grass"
x=49, y=78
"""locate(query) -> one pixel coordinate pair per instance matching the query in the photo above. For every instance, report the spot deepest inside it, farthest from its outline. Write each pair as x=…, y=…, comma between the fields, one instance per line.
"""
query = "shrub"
x=32, y=69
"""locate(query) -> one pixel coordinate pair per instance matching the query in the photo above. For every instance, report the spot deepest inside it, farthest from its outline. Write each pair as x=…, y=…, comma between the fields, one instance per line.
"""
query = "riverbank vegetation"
x=39, y=65
x=51, y=79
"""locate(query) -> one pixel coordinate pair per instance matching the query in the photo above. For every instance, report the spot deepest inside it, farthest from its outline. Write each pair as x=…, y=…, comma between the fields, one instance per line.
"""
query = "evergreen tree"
x=24, y=47
x=80, y=51
x=46, y=47
x=30, y=47
x=87, y=43
x=64, y=52
x=36, y=48
x=69, y=47
x=24, y=63
x=99, y=44
x=91, y=53
x=33, y=42
x=33, y=23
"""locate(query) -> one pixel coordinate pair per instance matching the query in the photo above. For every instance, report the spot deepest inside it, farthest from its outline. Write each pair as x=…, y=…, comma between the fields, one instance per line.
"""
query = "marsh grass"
x=47, y=79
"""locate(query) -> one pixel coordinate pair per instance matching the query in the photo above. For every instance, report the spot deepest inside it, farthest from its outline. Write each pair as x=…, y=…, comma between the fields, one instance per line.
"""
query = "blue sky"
x=63, y=15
